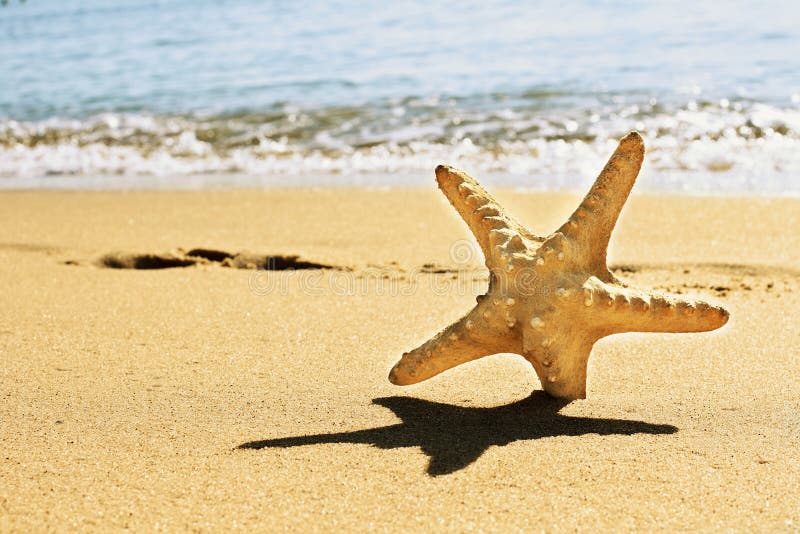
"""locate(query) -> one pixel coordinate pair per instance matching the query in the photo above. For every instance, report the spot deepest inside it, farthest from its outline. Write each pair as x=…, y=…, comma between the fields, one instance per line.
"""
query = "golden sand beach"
x=214, y=397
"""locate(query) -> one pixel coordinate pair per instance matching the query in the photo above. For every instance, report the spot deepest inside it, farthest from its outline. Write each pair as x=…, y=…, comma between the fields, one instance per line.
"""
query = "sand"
x=211, y=397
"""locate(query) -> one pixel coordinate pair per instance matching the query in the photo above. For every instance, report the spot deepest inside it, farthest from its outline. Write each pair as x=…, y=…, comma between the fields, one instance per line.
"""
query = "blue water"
x=173, y=88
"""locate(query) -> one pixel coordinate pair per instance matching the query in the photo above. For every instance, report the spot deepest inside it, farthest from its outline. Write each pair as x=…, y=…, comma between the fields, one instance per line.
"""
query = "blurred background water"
x=532, y=94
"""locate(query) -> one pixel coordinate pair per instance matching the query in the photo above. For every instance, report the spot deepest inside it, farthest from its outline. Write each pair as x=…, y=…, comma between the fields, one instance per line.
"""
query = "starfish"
x=550, y=299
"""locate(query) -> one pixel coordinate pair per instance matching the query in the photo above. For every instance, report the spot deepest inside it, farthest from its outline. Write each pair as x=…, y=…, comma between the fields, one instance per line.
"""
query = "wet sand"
x=208, y=395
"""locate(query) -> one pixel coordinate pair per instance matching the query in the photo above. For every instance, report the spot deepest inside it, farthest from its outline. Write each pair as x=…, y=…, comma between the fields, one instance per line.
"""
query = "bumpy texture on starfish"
x=550, y=299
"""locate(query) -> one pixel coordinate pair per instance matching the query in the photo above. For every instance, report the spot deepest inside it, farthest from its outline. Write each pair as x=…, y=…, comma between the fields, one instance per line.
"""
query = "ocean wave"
x=743, y=139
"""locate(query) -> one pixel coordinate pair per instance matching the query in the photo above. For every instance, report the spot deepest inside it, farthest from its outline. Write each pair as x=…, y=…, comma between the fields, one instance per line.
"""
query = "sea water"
x=177, y=93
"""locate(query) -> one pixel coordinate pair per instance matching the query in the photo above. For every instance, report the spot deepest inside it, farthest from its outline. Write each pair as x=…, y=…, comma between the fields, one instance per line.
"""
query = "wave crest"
x=410, y=136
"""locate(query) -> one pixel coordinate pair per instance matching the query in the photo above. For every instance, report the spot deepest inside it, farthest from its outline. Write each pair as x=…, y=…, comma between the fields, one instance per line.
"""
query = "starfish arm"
x=560, y=359
x=472, y=337
x=590, y=226
x=616, y=309
x=486, y=219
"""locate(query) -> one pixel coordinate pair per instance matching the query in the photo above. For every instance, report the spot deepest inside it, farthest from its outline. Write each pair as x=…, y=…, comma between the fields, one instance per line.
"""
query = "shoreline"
x=423, y=180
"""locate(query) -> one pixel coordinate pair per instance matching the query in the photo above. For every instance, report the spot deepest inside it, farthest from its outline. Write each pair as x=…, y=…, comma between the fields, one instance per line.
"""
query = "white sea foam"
x=722, y=146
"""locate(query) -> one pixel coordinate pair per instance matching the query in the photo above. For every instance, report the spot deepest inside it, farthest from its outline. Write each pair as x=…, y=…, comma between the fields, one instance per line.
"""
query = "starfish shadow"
x=455, y=436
